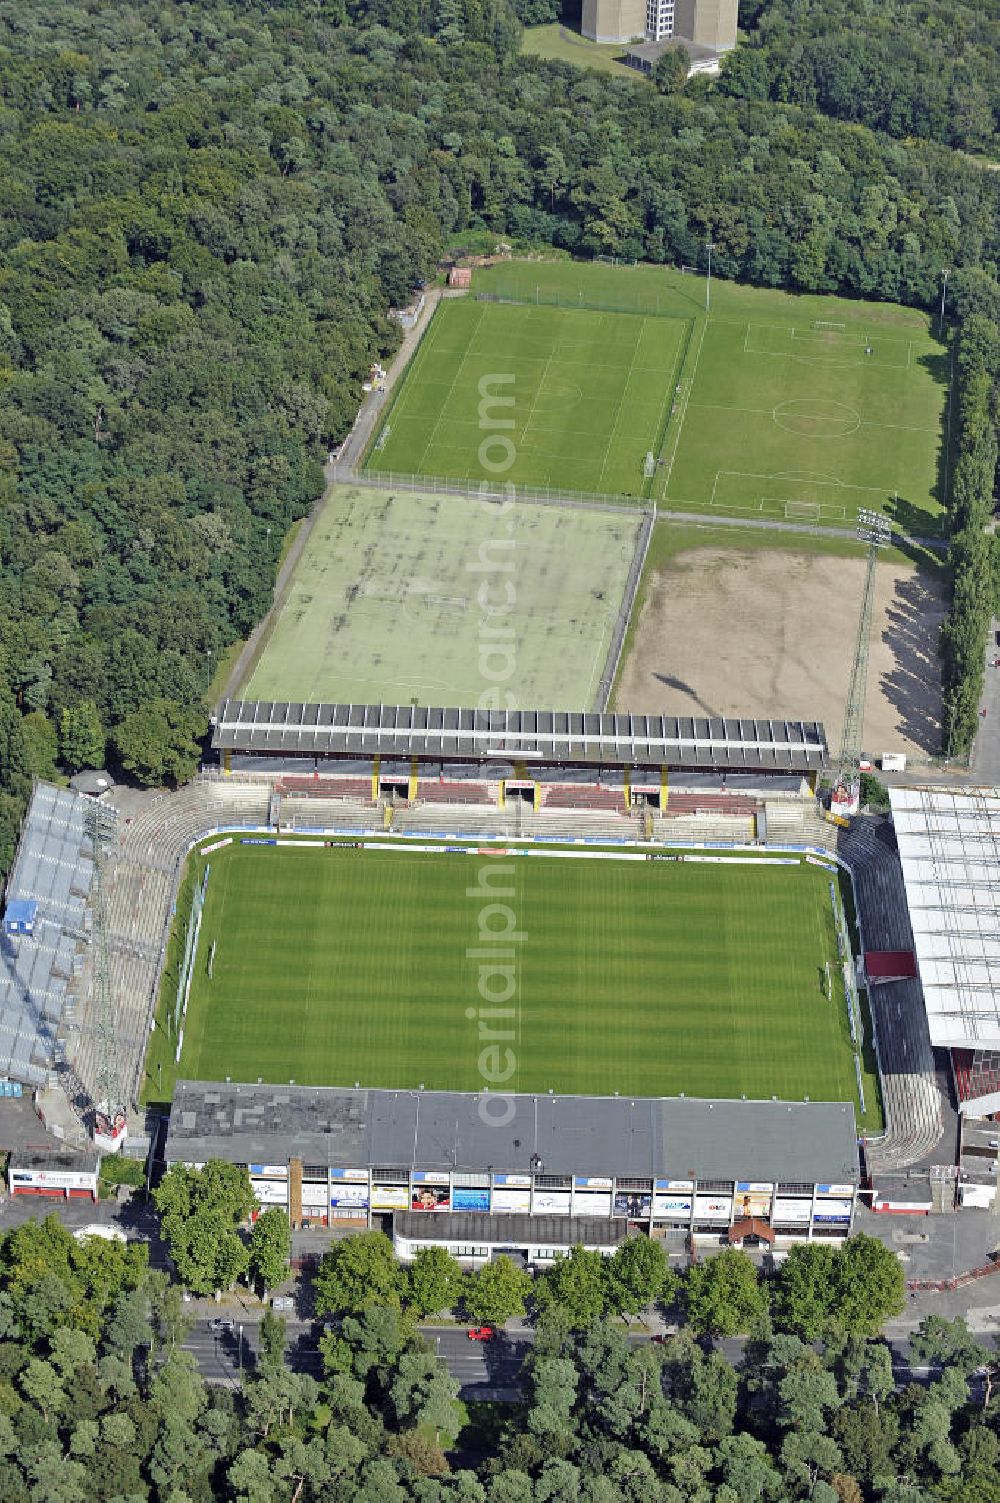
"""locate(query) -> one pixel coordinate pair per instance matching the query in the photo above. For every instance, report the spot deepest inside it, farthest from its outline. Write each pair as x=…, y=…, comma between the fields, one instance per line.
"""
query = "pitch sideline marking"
x=682, y=419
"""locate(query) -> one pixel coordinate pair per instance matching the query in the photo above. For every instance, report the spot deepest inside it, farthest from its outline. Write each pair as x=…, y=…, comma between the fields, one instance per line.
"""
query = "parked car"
x=221, y=1327
x=481, y=1333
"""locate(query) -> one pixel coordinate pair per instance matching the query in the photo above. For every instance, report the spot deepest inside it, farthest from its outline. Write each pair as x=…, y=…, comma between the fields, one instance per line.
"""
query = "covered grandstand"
x=46, y=922
x=949, y=848
x=409, y=748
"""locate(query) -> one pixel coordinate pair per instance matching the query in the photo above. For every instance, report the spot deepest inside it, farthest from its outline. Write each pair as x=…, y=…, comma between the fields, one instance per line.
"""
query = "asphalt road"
x=484, y=1370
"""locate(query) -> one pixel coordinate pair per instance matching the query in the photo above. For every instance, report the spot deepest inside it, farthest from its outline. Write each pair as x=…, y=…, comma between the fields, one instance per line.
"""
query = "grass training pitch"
x=800, y=407
x=570, y=398
x=338, y=965
x=393, y=595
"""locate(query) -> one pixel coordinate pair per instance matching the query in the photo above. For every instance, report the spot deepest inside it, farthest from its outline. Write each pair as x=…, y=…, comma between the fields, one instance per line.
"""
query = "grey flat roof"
x=84, y=1162
x=480, y=1226
x=320, y=730
x=640, y=1137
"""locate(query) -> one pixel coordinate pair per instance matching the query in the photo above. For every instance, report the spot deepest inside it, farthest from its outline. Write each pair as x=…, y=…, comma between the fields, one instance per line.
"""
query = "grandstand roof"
x=949, y=846
x=53, y=869
x=318, y=730
x=674, y=1137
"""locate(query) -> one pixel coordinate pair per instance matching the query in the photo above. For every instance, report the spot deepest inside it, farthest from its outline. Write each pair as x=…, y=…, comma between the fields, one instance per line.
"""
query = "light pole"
x=945, y=273
x=708, y=282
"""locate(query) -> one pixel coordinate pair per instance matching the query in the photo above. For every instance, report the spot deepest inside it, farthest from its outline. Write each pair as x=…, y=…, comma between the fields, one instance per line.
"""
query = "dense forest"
x=925, y=68
x=208, y=212
x=99, y=1398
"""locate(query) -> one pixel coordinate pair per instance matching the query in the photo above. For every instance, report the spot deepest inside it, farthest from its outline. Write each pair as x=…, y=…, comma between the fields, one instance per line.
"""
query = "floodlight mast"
x=875, y=530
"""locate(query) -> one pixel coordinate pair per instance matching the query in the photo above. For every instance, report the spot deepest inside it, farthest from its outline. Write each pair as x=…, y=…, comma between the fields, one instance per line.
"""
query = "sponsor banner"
x=671, y=1205
x=270, y=1171
x=430, y=1198
x=797, y=1212
x=390, y=1197
x=270, y=1192
x=431, y=1176
x=591, y=1203
x=635, y=1207
x=54, y=1179
x=216, y=845
x=315, y=1195
x=348, y=1195
x=551, y=1202
x=675, y=1184
x=753, y=1187
x=834, y=1210
x=840, y=1191
x=464, y=1199
x=518, y=783
x=713, y=1207
x=512, y=1179
x=511, y=1200
x=256, y=840
x=349, y=1174
x=753, y=1201
x=580, y=1182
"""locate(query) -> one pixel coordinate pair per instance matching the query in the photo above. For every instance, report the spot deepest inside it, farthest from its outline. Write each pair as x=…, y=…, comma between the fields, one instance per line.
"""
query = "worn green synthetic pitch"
x=339, y=965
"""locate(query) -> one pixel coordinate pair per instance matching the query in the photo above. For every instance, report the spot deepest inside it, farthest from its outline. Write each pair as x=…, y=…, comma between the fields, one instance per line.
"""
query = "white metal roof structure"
x=53, y=870
x=949, y=847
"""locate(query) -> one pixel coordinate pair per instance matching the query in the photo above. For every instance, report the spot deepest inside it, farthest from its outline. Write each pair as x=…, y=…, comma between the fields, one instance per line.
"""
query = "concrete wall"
x=710, y=23
x=613, y=20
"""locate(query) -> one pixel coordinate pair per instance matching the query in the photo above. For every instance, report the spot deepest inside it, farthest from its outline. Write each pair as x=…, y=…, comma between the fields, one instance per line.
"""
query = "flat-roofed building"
x=675, y=1167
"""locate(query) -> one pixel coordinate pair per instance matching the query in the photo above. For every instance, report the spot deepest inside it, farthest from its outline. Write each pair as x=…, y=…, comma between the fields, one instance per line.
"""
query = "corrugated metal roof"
x=54, y=869
x=265, y=726
x=949, y=847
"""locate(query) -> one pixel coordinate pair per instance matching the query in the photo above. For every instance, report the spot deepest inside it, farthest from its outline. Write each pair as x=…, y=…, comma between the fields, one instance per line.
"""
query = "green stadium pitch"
x=336, y=965
x=794, y=407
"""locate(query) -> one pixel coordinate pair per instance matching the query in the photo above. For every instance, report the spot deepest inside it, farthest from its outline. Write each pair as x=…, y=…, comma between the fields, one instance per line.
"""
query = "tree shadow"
x=913, y=684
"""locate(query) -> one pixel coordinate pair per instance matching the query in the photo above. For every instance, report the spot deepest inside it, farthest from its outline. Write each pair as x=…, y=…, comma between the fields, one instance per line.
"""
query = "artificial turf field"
x=390, y=601
x=799, y=407
x=339, y=965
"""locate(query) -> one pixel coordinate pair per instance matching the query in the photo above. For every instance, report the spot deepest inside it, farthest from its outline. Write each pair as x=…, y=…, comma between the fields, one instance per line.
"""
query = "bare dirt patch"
x=771, y=633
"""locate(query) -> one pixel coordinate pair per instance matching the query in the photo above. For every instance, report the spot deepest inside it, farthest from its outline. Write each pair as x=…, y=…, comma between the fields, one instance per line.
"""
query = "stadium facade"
x=681, y=1169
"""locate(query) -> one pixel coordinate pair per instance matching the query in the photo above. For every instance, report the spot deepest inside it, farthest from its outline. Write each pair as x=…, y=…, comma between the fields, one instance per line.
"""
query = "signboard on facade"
x=792, y=1212
x=390, y=1197
x=551, y=1202
x=671, y=1204
x=270, y=1192
x=713, y=1207
x=511, y=1200
x=834, y=1210
x=54, y=1179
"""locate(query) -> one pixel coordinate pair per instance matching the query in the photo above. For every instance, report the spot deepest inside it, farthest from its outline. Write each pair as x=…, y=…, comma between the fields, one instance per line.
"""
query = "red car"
x=481, y=1333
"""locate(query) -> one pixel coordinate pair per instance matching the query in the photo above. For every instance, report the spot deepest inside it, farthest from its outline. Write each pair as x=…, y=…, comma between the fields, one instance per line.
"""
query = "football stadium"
x=561, y=973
